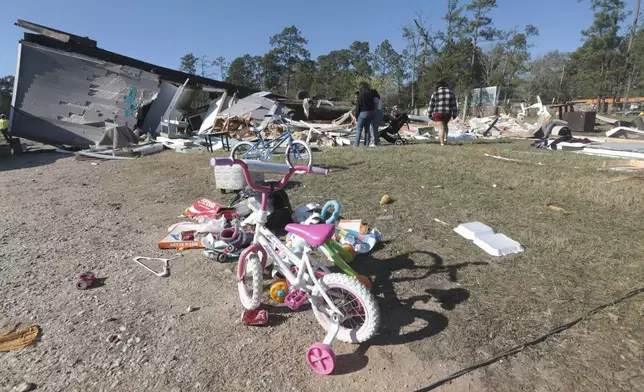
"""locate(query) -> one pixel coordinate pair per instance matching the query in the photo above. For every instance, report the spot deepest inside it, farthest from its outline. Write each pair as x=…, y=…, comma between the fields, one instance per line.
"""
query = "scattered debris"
x=85, y=280
x=20, y=339
x=502, y=158
x=161, y=274
x=255, y=317
x=626, y=133
x=175, y=240
x=472, y=230
x=484, y=237
x=24, y=387
x=386, y=199
x=626, y=178
x=557, y=208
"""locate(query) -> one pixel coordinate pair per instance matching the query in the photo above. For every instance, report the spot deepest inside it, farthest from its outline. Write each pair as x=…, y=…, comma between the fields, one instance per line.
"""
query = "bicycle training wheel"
x=299, y=153
x=250, y=286
x=358, y=306
x=243, y=150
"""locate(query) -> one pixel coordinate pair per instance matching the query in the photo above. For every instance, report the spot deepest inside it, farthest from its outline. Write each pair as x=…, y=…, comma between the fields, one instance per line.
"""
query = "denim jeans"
x=364, y=125
x=374, y=126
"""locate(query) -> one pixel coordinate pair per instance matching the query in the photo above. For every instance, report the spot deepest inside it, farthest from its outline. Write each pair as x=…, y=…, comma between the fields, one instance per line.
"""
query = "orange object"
x=364, y=280
x=350, y=249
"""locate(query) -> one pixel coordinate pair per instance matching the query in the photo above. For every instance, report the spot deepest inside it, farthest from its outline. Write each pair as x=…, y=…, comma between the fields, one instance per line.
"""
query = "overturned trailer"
x=68, y=91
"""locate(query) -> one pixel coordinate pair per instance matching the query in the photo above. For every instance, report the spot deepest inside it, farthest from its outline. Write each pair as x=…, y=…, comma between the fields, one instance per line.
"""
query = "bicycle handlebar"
x=276, y=168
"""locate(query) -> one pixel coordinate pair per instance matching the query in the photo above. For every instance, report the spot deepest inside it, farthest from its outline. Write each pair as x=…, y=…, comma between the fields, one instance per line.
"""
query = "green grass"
x=572, y=262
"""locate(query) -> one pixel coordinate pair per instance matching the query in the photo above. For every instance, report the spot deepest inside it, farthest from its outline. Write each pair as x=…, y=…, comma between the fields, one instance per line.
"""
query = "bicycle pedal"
x=295, y=299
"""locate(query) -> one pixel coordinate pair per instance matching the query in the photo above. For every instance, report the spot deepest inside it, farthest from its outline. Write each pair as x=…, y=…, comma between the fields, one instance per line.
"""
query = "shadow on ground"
x=401, y=323
x=29, y=159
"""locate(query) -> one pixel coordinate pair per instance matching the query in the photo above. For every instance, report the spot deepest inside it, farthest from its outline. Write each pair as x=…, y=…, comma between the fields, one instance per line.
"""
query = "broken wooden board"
x=624, y=163
x=626, y=178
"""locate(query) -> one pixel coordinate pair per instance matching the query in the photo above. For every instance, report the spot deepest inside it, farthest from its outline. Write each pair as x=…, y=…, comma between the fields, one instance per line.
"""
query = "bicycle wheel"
x=244, y=150
x=298, y=153
x=361, y=313
x=250, y=286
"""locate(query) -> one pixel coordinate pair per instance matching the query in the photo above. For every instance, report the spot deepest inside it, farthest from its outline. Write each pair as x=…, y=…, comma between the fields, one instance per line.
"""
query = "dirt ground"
x=445, y=304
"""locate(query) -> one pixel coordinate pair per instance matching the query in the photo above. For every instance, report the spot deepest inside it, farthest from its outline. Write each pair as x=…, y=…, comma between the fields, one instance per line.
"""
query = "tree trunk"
x=413, y=101
x=467, y=96
x=629, y=69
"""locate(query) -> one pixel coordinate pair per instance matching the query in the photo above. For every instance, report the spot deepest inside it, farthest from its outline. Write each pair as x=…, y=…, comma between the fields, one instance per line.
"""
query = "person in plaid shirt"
x=442, y=108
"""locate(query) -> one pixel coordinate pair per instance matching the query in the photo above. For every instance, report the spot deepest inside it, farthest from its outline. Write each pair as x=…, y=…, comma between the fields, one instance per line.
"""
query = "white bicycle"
x=341, y=304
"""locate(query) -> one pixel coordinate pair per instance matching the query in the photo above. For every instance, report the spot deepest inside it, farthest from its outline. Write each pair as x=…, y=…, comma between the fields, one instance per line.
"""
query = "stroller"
x=391, y=134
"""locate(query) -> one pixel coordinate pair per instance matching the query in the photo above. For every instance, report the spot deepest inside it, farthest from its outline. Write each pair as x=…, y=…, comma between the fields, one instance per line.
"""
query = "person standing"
x=4, y=128
x=375, y=125
x=365, y=111
x=353, y=111
x=442, y=108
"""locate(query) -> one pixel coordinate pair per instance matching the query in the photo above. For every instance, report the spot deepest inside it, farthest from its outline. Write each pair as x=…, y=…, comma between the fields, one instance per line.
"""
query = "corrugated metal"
x=58, y=93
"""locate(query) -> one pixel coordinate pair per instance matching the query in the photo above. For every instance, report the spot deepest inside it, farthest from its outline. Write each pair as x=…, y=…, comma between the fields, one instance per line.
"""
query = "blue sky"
x=161, y=32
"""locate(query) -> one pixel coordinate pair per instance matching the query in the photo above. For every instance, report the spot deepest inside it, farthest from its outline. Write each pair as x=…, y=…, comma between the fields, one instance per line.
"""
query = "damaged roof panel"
x=65, y=82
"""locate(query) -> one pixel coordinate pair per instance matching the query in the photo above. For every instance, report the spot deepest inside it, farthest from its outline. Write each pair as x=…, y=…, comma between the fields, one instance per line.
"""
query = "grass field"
x=445, y=303
x=574, y=260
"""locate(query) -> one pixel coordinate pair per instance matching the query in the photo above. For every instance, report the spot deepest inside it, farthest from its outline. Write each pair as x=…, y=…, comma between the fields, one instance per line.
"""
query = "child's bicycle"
x=341, y=304
x=297, y=152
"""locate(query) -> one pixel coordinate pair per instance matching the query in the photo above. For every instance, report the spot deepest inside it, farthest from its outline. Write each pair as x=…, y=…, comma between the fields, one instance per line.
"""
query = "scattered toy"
x=255, y=317
x=161, y=274
x=85, y=280
x=15, y=340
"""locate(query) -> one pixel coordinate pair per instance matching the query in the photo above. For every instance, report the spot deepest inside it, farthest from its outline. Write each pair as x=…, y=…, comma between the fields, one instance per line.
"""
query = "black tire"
x=82, y=285
x=399, y=142
x=222, y=257
x=241, y=149
x=303, y=151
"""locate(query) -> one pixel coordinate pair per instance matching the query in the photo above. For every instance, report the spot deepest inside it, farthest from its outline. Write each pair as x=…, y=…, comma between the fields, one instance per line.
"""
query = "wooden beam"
x=43, y=30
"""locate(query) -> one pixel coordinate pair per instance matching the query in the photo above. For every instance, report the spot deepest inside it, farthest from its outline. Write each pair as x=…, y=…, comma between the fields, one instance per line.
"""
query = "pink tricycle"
x=342, y=305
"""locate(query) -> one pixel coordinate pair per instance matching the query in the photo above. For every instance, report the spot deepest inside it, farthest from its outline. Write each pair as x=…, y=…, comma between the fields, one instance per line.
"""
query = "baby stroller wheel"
x=222, y=257
x=404, y=141
x=399, y=142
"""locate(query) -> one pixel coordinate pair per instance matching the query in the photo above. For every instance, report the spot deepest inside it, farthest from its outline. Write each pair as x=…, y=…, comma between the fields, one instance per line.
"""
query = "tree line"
x=470, y=52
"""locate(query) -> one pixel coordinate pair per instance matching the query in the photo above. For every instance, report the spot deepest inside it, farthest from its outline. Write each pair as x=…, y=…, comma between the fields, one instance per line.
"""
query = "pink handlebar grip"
x=222, y=162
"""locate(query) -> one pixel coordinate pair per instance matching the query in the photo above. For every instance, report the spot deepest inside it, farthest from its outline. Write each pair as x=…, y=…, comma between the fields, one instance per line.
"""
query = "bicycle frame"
x=265, y=145
x=265, y=242
x=305, y=273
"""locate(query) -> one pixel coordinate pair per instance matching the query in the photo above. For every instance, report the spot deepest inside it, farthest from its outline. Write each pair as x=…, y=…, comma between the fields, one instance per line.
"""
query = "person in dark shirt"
x=365, y=109
x=375, y=125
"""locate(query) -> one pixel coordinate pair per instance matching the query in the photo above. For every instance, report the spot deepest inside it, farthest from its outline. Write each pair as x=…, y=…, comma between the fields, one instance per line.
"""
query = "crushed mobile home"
x=68, y=91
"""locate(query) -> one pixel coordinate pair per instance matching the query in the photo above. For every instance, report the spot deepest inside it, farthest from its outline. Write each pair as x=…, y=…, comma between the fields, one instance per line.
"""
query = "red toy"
x=255, y=317
x=85, y=280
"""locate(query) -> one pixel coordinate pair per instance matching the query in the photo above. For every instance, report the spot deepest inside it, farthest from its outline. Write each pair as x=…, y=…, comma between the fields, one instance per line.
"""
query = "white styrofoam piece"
x=498, y=245
x=473, y=230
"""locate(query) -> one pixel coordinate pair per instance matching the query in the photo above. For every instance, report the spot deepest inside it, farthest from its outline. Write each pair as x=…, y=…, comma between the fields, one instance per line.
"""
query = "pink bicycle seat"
x=314, y=235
